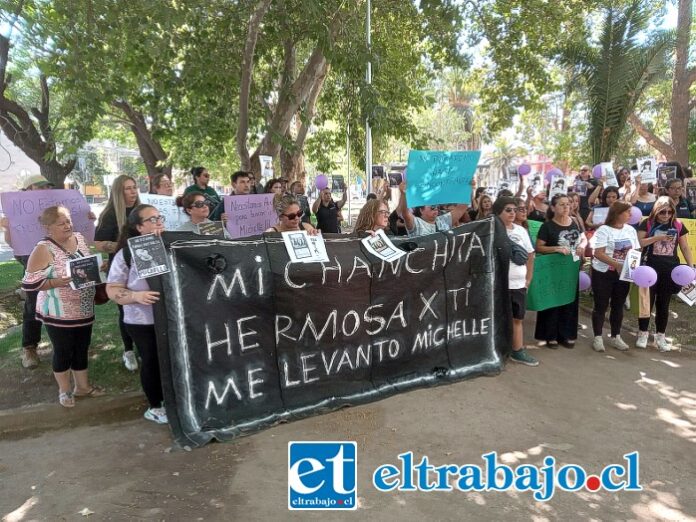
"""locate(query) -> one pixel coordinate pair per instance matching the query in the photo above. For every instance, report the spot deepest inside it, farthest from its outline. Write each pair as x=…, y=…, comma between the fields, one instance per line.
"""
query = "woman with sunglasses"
x=427, y=219
x=521, y=213
x=289, y=215
x=124, y=287
x=196, y=207
x=659, y=236
x=559, y=235
x=373, y=216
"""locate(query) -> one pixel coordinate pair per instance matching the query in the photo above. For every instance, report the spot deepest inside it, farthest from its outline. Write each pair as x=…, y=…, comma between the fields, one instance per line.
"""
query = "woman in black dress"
x=559, y=234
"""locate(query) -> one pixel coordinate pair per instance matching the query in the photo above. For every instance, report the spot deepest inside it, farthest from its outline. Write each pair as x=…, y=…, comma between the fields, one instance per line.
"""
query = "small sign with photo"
x=303, y=248
x=580, y=187
x=148, y=255
x=381, y=246
x=690, y=191
x=647, y=167
x=211, y=228
x=536, y=184
x=337, y=183
x=85, y=271
x=631, y=262
x=395, y=179
x=688, y=294
x=664, y=174
x=609, y=175
x=504, y=184
x=599, y=215
x=558, y=186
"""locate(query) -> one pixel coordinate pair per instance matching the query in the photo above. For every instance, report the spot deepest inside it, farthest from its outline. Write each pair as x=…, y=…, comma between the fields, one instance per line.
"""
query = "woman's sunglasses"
x=665, y=213
x=294, y=215
x=199, y=204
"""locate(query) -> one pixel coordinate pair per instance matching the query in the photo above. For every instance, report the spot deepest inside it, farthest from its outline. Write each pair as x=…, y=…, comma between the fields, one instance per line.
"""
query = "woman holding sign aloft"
x=67, y=314
x=611, y=244
x=136, y=298
x=559, y=235
x=659, y=235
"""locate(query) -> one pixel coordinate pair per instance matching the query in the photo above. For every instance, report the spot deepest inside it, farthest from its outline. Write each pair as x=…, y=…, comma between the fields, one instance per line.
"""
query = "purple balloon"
x=597, y=171
x=585, y=282
x=524, y=169
x=644, y=276
x=321, y=182
x=683, y=275
x=636, y=216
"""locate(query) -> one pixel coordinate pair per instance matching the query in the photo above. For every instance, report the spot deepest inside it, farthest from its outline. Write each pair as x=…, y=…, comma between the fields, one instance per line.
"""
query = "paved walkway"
x=579, y=406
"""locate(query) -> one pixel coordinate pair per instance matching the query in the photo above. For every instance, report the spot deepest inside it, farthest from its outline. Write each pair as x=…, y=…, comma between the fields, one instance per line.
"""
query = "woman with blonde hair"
x=67, y=314
x=289, y=215
x=659, y=236
x=485, y=207
x=373, y=216
x=122, y=200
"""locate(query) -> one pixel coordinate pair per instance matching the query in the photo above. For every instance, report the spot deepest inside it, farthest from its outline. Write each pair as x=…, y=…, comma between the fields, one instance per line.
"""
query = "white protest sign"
x=303, y=248
x=174, y=216
x=381, y=246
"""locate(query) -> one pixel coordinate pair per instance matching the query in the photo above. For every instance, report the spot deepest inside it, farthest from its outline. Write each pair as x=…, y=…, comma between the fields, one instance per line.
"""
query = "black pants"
x=145, y=340
x=70, y=346
x=660, y=296
x=125, y=336
x=559, y=323
x=609, y=292
x=31, y=328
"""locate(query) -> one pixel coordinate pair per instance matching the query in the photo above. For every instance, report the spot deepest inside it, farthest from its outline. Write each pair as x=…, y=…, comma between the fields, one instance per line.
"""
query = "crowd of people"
x=589, y=223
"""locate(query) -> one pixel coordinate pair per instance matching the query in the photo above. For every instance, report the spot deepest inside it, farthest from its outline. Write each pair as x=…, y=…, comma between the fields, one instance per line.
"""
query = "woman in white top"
x=611, y=244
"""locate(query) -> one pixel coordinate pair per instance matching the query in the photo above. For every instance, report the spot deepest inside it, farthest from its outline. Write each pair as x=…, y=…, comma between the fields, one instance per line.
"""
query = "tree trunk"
x=683, y=78
x=55, y=172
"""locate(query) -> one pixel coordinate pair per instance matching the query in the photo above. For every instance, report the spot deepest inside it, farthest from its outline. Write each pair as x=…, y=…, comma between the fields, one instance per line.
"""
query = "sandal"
x=94, y=391
x=66, y=399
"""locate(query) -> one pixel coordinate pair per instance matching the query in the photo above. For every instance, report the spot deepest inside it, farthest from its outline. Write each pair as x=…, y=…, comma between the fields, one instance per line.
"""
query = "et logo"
x=322, y=475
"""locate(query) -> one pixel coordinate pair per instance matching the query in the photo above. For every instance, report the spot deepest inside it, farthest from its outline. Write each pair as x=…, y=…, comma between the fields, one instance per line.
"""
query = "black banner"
x=247, y=339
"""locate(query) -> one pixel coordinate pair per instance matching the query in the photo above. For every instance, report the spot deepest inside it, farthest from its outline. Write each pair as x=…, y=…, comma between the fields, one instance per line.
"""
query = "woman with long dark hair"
x=122, y=200
x=559, y=234
x=136, y=298
x=659, y=236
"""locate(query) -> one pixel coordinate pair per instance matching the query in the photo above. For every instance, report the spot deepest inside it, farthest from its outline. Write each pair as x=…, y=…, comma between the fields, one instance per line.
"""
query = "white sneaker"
x=130, y=361
x=642, y=341
x=661, y=343
x=618, y=343
x=158, y=415
x=598, y=344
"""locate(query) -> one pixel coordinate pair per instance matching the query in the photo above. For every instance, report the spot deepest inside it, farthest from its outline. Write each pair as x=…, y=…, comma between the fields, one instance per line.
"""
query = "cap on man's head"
x=36, y=179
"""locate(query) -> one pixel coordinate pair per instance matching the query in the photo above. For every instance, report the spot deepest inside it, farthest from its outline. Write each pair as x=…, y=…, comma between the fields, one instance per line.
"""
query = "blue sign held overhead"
x=437, y=177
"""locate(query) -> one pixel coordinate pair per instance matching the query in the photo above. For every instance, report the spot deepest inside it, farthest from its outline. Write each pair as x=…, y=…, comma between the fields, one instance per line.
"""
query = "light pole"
x=368, y=79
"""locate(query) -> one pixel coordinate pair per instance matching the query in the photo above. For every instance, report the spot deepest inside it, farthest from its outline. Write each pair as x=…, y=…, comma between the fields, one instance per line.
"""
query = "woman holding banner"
x=122, y=200
x=560, y=235
x=611, y=243
x=67, y=314
x=136, y=298
x=289, y=216
x=659, y=236
x=373, y=216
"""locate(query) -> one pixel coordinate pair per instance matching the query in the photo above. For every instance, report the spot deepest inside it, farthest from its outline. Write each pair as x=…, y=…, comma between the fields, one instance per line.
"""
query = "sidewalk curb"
x=587, y=310
x=29, y=420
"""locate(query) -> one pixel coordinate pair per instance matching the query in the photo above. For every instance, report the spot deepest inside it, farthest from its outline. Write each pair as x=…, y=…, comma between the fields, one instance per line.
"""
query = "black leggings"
x=660, y=296
x=31, y=327
x=144, y=337
x=606, y=288
x=70, y=345
x=125, y=336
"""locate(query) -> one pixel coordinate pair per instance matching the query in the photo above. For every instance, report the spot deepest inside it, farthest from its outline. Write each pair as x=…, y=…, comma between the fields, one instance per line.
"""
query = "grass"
x=105, y=364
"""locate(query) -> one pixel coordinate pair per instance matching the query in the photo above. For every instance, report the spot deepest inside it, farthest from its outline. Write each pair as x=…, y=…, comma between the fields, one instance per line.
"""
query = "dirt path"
x=578, y=406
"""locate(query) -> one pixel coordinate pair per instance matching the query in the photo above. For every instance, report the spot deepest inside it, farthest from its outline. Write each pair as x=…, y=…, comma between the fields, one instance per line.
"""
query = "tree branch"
x=311, y=108
x=245, y=84
x=649, y=136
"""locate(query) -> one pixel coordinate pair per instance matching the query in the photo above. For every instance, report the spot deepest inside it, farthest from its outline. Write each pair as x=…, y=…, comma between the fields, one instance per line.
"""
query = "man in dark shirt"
x=675, y=189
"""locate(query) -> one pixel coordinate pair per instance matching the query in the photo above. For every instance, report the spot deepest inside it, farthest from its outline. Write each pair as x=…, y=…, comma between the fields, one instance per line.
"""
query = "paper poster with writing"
x=438, y=177
x=174, y=216
x=599, y=215
x=23, y=209
x=303, y=248
x=249, y=215
x=148, y=255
